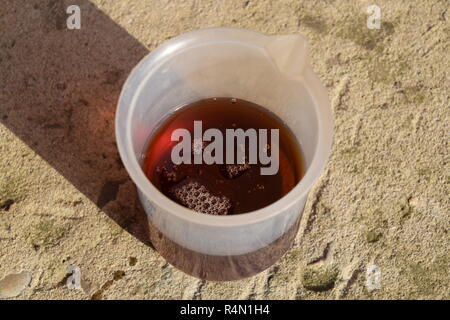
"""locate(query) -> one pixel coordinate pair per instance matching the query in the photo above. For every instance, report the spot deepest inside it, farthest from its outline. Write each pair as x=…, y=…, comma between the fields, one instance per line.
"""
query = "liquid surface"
x=222, y=189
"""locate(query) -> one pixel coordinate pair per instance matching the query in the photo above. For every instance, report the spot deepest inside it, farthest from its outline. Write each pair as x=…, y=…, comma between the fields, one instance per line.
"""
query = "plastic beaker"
x=272, y=71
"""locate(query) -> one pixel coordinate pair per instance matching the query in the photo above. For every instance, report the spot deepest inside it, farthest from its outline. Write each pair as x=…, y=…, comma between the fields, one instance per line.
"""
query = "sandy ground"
x=66, y=200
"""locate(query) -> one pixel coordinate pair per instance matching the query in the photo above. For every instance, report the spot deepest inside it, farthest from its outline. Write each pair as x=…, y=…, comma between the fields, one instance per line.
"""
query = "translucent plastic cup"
x=272, y=71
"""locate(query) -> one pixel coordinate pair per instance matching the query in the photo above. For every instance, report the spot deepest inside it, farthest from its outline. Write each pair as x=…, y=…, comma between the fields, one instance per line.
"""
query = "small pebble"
x=12, y=285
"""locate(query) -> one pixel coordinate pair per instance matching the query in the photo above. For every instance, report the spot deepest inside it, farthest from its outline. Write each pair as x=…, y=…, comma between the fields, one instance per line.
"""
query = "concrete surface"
x=383, y=200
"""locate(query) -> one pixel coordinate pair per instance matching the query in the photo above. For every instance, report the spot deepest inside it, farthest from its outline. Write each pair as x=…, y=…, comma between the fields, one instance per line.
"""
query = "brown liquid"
x=221, y=188
x=243, y=187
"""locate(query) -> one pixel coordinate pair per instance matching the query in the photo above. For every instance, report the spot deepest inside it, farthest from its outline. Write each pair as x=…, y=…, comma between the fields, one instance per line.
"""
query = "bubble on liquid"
x=233, y=100
x=195, y=196
x=169, y=175
x=235, y=170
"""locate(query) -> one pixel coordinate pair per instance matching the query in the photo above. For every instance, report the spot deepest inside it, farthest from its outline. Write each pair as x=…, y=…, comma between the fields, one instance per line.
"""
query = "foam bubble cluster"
x=234, y=170
x=197, y=197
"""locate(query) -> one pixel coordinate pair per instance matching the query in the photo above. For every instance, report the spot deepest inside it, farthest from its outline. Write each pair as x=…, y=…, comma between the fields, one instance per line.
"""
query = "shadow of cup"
x=58, y=94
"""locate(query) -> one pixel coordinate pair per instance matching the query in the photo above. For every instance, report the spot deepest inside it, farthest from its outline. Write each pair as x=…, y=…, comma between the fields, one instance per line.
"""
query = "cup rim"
x=313, y=86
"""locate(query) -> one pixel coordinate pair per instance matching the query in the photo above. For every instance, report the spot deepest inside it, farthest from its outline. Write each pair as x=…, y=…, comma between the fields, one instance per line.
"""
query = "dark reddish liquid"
x=245, y=189
x=240, y=188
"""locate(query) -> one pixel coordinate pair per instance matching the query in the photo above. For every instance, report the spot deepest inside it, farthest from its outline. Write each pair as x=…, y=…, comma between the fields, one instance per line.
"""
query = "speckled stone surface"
x=383, y=199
